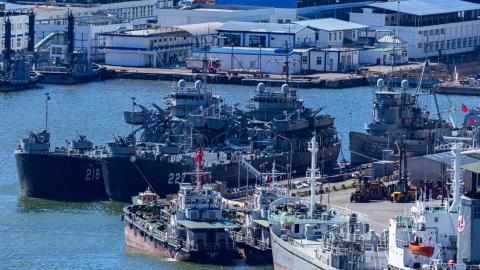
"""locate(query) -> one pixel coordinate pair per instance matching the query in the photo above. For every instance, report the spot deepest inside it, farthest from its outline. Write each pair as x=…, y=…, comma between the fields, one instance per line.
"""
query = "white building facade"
x=334, y=33
x=428, y=27
x=265, y=35
x=161, y=47
x=246, y=59
x=330, y=60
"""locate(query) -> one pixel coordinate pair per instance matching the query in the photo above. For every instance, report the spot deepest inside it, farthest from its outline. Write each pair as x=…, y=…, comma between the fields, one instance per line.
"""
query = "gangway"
x=48, y=38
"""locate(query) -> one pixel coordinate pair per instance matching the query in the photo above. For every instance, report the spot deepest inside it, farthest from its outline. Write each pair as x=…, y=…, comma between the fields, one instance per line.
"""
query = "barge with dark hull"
x=68, y=174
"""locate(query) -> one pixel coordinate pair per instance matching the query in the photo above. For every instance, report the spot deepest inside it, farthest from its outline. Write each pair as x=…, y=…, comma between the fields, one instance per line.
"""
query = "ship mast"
x=457, y=161
x=287, y=63
x=47, y=98
x=313, y=172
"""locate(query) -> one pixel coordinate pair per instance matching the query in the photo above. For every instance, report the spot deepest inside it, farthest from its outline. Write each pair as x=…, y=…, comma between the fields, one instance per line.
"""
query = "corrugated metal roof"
x=261, y=27
x=427, y=7
x=390, y=39
x=447, y=157
x=331, y=24
x=201, y=29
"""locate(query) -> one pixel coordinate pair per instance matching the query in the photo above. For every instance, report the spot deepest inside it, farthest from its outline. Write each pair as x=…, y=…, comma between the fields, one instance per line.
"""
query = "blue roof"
x=331, y=24
x=427, y=7
x=261, y=27
x=262, y=3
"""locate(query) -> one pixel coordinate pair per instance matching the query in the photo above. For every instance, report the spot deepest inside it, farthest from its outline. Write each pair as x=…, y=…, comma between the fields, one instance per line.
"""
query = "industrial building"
x=88, y=30
x=160, y=47
x=438, y=167
x=310, y=9
x=245, y=59
x=332, y=32
x=429, y=27
x=203, y=14
x=272, y=60
x=19, y=21
x=140, y=13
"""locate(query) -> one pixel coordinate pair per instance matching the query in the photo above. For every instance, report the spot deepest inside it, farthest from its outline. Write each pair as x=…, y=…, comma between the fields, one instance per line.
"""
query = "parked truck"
x=198, y=65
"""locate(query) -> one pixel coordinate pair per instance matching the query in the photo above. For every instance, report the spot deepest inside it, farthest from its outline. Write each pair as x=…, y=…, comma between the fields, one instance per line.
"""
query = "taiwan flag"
x=464, y=108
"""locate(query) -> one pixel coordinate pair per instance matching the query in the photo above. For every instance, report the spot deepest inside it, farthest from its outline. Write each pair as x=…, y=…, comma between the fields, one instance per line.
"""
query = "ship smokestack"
x=8, y=45
x=70, y=35
x=31, y=32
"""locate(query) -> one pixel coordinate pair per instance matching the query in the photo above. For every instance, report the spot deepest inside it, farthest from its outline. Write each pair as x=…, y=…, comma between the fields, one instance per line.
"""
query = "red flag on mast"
x=464, y=108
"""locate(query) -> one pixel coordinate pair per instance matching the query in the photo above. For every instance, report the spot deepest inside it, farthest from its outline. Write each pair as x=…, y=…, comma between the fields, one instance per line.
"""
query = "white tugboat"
x=307, y=235
x=427, y=236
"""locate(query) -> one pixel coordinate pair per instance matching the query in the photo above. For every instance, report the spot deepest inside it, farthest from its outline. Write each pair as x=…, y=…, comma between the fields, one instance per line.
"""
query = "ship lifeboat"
x=423, y=250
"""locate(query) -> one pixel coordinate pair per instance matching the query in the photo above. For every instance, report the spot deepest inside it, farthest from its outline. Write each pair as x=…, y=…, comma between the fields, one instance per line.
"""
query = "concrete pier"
x=320, y=80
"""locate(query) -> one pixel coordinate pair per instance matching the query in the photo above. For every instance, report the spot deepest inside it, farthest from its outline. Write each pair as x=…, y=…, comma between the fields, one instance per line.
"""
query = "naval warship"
x=71, y=173
x=191, y=227
x=397, y=114
x=232, y=142
x=312, y=236
x=76, y=68
x=16, y=74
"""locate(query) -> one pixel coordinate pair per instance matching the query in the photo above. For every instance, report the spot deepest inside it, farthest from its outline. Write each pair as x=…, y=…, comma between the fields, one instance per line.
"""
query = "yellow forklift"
x=402, y=191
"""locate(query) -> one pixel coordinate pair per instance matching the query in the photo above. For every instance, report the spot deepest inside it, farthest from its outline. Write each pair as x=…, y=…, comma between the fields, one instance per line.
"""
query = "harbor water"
x=41, y=234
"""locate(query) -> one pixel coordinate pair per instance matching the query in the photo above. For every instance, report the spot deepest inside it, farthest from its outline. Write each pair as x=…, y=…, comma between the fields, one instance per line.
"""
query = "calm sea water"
x=41, y=234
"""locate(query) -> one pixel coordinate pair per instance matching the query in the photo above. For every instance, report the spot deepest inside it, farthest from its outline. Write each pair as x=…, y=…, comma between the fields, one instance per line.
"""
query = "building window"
x=288, y=21
x=256, y=41
x=340, y=35
x=442, y=31
x=431, y=32
x=319, y=60
x=448, y=44
x=420, y=32
x=329, y=36
x=436, y=32
x=304, y=59
x=335, y=36
x=419, y=45
x=476, y=212
x=280, y=21
x=353, y=34
x=231, y=39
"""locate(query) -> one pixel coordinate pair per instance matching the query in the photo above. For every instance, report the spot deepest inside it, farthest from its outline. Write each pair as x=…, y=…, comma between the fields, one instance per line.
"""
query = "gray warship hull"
x=365, y=148
x=124, y=179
